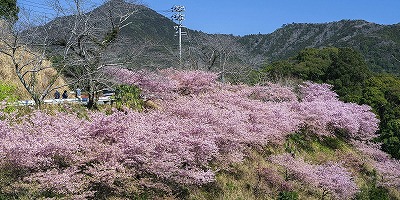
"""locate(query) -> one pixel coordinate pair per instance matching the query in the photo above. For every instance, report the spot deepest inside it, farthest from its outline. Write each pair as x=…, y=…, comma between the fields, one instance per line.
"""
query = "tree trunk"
x=38, y=101
x=91, y=101
x=92, y=96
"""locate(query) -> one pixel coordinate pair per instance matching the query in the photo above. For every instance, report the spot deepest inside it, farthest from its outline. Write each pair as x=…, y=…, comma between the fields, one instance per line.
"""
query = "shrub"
x=288, y=195
x=7, y=95
x=129, y=96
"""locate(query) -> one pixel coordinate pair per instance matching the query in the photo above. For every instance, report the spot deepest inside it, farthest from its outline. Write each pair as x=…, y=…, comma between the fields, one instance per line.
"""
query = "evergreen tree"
x=9, y=10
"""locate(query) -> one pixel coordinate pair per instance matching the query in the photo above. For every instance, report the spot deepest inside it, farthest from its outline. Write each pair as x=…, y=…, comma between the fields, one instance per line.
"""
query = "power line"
x=164, y=11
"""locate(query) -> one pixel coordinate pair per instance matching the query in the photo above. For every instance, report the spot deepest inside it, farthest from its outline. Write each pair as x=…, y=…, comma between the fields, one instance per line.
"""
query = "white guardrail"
x=101, y=100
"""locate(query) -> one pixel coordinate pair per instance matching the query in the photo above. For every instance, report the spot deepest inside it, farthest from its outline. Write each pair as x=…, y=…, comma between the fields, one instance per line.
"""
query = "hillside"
x=379, y=44
x=8, y=75
x=150, y=41
x=206, y=140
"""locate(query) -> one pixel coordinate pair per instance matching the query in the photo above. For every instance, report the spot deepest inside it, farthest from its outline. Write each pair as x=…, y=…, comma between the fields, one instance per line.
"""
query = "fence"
x=84, y=101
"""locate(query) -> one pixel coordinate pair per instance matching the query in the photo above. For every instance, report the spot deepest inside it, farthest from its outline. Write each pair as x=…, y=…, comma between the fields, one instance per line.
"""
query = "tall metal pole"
x=180, y=44
x=179, y=17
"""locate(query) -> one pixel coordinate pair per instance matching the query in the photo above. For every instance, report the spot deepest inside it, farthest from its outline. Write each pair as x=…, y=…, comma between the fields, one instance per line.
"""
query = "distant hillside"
x=150, y=42
x=8, y=74
x=379, y=44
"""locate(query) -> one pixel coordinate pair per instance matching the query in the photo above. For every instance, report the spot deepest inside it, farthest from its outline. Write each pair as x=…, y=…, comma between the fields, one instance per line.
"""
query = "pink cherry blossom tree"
x=331, y=178
x=200, y=123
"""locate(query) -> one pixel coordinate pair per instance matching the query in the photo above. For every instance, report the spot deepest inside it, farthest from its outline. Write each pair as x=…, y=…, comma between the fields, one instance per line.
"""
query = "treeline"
x=352, y=80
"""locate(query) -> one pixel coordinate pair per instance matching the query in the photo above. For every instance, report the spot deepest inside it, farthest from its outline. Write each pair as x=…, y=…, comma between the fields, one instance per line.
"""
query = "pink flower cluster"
x=269, y=92
x=321, y=111
x=388, y=169
x=332, y=178
x=3, y=105
x=166, y=83
x=199, y=122
x=194, y=81
x=158, y=144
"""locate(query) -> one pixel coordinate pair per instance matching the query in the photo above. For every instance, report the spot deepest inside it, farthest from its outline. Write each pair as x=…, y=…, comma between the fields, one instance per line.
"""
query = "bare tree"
x=28, y=58
x=85, y=46
x=77, y=41
x=221, y=53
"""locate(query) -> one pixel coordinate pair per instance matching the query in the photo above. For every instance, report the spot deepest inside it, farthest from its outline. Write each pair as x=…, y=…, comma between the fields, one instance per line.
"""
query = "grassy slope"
x=244, y=182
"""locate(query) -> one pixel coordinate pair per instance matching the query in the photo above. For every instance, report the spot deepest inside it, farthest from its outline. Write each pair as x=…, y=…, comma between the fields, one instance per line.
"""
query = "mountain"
x=379, y=44
x=150, y=42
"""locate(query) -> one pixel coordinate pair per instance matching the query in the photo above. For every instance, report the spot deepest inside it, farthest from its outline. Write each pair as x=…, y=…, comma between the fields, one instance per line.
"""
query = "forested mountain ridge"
x=155, y=37
x=379, y=44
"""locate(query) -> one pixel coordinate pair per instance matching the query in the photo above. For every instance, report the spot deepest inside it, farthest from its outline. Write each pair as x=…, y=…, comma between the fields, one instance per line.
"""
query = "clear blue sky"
x=241, y=17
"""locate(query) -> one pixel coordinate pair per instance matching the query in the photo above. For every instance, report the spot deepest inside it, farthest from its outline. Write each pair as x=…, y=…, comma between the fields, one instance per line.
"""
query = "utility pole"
x=179, y=16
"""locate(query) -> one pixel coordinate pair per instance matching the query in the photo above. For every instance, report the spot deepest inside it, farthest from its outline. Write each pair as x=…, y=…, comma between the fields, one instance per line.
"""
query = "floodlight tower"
x=179, y=16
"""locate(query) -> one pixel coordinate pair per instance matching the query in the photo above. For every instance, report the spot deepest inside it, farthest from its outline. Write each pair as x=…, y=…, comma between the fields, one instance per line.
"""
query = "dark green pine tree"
x=9, y=10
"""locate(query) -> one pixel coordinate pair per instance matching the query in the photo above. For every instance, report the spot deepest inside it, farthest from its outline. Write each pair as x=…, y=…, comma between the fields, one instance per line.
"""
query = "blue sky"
x=241, y=17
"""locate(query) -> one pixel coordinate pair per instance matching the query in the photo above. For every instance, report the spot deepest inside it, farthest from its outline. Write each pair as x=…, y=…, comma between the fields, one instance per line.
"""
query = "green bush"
x=128, y=96
x=373, y=193
x=299, y=142
x=7, y=94
x=288, y=195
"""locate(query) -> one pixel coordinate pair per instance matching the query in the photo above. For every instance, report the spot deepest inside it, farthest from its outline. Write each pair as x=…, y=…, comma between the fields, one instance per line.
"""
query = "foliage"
x=378, y=44
x=7, y=95
x=331, y=178
x=343, y=68
x=9, y=10
x=347, y=71
x=7, y=92
x=288, y=195
x=378, y=194
x=129, y=96
x=164, y=152
x=385, y=100
x=309, y=64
